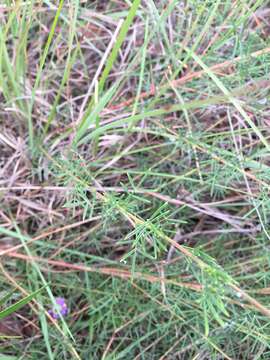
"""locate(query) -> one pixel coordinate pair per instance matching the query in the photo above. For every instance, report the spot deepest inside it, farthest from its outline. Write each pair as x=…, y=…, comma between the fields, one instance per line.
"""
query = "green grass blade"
x=92, y=118
x=39, y=73
x=120, y=39
x=113, y=55
x=71, y=57
x=230, y=97
x=6, y=297
x=19, y=304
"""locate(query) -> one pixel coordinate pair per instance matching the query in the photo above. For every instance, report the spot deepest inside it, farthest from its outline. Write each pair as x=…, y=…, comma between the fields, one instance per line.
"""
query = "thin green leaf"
x=5, y=298
x=19, y=304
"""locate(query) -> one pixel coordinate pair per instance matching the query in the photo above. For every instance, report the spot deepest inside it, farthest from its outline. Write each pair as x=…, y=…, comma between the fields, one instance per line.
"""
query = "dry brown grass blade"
x=48, y=233
x=125, y=274
x=112, y=271
x=186, y=78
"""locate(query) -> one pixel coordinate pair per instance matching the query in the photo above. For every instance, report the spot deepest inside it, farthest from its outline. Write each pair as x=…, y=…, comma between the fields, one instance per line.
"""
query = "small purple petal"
x=53, y=314
x=60, y=301
x=61, y=306
x=64, y=311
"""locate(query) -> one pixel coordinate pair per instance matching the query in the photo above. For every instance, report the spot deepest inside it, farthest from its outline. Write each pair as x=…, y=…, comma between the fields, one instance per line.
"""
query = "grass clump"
x=134, y=179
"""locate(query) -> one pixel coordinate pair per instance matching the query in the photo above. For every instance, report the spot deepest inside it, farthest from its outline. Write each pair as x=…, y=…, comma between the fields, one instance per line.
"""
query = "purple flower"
x=61, y=306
